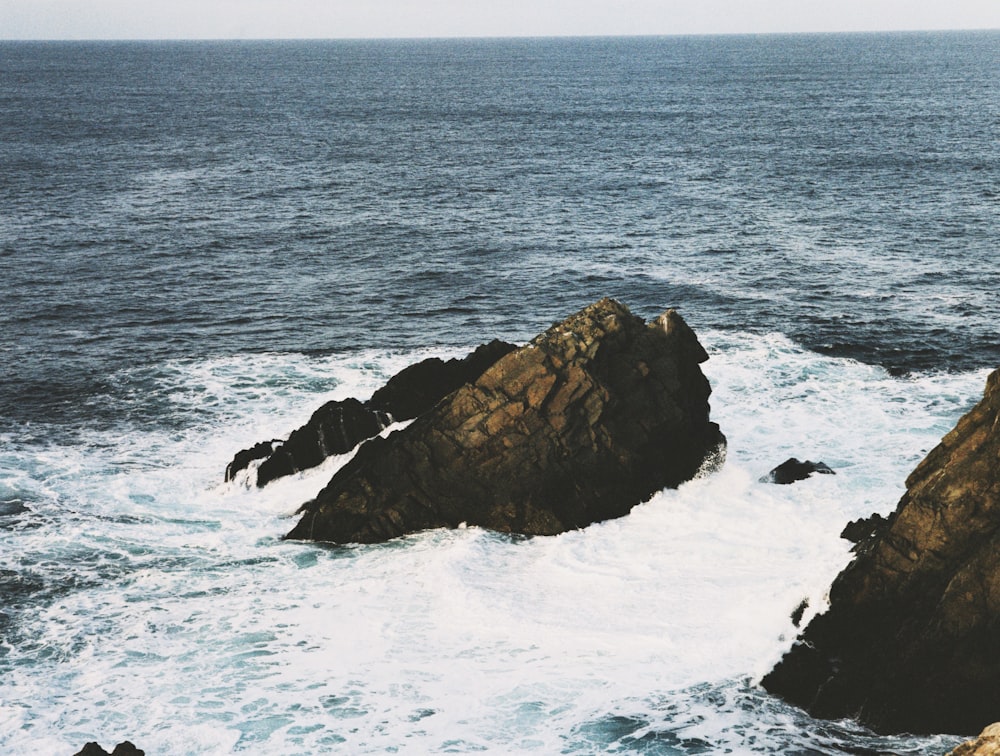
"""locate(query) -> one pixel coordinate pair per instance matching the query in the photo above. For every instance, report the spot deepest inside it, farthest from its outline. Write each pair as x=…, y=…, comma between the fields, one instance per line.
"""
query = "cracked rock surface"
x=592, y=417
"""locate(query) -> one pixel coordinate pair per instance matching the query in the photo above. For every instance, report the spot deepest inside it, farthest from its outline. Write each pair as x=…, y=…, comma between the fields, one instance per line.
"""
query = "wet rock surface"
x=911, y=642
x=589, y=419
x=339, y=426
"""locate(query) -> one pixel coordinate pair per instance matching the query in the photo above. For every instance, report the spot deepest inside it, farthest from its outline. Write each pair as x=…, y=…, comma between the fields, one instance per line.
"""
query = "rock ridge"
x=338, y=426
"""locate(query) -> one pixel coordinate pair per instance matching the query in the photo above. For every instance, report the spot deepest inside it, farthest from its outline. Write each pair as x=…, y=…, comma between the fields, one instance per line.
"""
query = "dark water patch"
x=11, y=508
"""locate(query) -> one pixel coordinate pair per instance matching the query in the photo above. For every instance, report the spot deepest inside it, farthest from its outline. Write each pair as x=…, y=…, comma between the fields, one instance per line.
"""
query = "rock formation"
x=592, y=417
x=339, y=426
x=911, y=641
x=792, y=470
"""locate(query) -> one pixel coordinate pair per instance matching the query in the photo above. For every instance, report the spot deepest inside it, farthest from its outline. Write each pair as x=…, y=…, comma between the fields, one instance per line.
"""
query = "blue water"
x=202, y=242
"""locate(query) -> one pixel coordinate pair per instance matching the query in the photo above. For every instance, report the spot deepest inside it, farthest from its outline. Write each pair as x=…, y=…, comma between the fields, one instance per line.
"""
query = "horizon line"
x=484, y=37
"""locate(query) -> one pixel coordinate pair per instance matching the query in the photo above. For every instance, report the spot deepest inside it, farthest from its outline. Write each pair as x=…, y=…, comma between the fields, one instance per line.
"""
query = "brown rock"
x=987, y=744
x=911, y=641
x=592, y=417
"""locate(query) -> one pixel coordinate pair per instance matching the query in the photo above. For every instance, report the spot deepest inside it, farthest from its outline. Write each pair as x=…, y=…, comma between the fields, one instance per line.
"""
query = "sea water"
x=203, y=242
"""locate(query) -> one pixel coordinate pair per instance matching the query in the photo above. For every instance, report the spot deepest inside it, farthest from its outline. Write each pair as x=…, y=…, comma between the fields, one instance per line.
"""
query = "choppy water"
x=202, y=242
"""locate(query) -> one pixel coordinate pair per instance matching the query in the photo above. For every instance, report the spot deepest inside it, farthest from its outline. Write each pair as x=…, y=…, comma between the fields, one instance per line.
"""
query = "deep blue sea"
x=201, y=242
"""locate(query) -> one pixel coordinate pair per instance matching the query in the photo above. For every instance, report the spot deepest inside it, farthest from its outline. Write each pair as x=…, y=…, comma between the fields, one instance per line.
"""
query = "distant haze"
x=247, y=19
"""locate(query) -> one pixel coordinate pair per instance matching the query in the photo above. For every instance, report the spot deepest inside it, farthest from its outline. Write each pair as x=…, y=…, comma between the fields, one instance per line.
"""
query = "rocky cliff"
x=592, y=417
x=911, y=641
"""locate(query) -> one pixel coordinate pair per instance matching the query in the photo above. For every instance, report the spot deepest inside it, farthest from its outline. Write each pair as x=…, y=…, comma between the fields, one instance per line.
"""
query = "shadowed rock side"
x=911, y=641
x=339, y=426
x=592, y=417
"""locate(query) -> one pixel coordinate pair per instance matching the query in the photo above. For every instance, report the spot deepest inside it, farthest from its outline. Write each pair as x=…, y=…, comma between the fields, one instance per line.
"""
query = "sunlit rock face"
x=911, y=641
x=592, y=417
x=987, y=744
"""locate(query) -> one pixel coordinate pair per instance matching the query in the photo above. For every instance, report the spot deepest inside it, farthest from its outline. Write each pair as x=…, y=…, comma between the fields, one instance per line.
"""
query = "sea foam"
x=167, y=610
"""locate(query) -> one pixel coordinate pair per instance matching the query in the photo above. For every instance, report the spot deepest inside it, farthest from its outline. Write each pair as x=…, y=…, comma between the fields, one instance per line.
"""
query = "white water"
x=186, y=625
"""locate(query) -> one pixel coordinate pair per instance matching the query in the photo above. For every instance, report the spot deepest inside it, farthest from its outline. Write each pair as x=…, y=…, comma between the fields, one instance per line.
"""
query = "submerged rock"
x=911, y=641
x=339, y=426
x=592, y=417
x=792, y=470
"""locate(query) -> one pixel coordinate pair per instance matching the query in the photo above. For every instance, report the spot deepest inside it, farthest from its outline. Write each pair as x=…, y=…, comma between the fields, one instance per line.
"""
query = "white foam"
x=193, y=628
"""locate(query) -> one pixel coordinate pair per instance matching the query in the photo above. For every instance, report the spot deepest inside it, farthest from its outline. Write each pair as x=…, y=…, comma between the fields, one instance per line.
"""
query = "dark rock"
x=792, y=470
x=335, y=428
x=592, y=417
x=92, y=749
x=799, y=612
x=122, y=749
x=243, y=458
x=864, y=530
x=339, y=426
x=127, y=749
x=911, y=641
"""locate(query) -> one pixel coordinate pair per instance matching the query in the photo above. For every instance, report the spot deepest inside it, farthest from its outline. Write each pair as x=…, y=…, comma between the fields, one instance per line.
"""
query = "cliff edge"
x=911, y=641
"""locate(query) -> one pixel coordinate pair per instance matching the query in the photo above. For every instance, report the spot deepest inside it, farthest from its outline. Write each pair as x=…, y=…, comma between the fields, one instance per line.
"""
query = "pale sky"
x=248, y=19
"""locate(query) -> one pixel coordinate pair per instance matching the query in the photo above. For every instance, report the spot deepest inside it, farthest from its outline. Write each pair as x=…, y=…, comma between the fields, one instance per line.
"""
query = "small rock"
x=799, y=611
x=792, y=470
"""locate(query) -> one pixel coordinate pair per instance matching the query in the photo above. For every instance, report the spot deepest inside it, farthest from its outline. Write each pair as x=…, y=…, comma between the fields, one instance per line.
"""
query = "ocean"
x=202, y=242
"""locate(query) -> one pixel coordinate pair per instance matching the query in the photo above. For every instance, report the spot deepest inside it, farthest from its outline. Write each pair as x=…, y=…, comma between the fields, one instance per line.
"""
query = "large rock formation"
x=339, y=426
x=911, y=641
x=589, y=419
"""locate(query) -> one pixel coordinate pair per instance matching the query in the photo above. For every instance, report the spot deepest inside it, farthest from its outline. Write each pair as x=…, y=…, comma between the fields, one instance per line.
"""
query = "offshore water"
x=202, y=242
